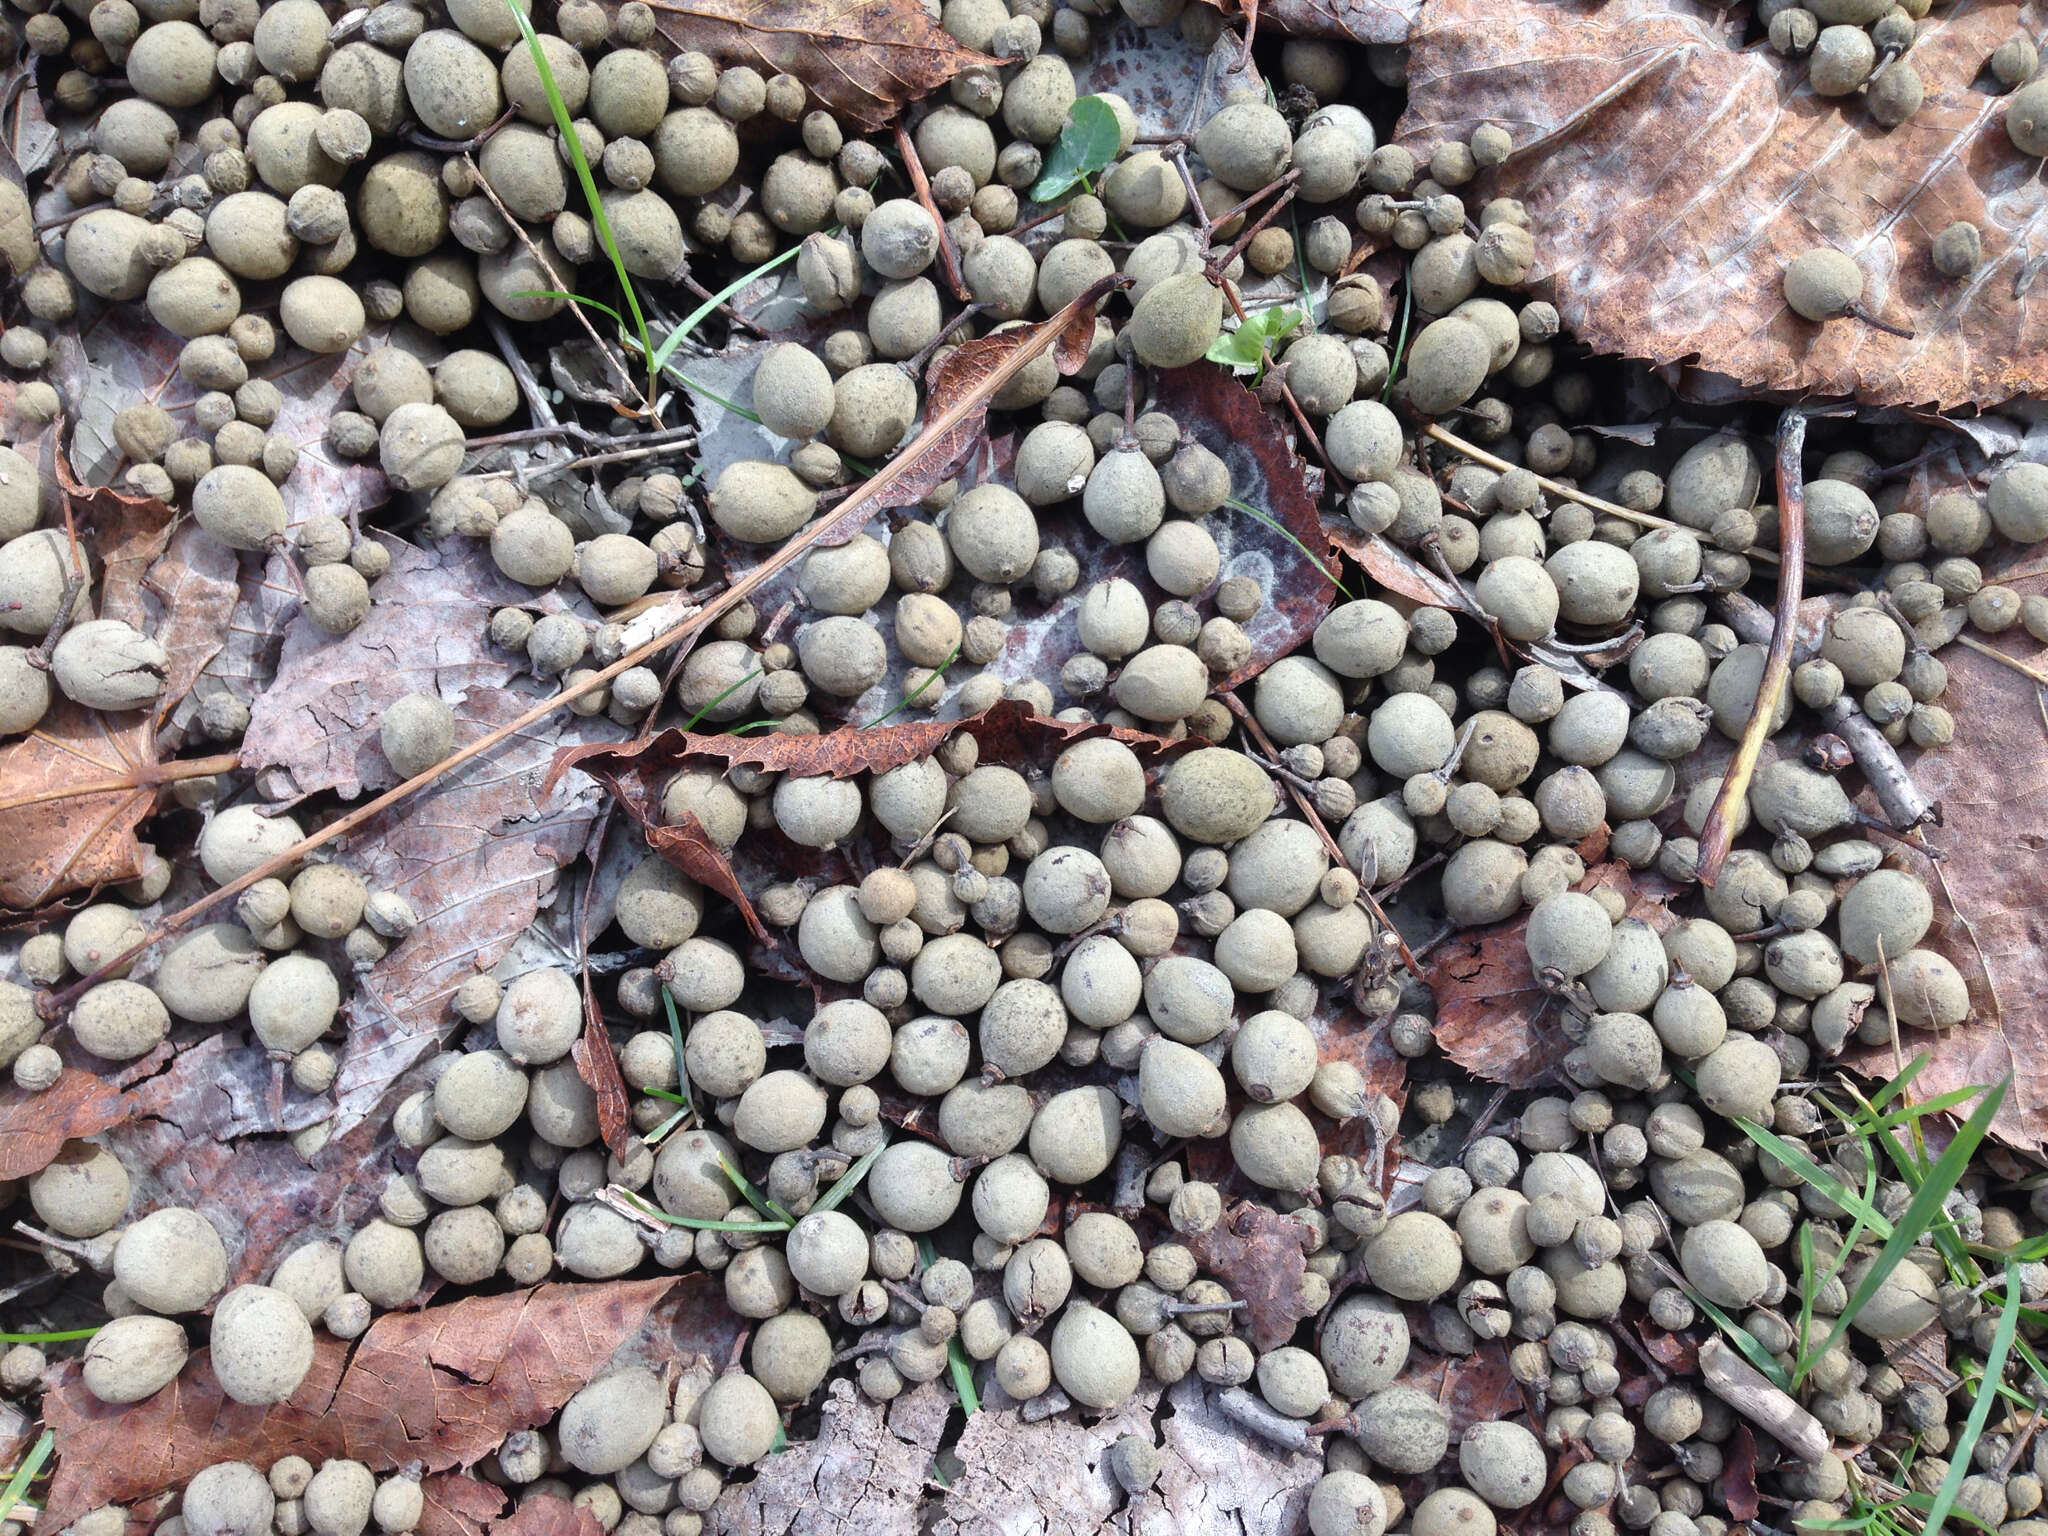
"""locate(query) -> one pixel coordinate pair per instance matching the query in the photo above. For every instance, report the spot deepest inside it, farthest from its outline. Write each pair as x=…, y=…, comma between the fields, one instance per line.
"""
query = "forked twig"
x=1719, y=831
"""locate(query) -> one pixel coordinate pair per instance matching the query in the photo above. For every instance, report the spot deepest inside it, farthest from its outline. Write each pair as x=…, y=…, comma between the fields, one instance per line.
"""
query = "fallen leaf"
x=1738, y=1475
x=598, y=1066
x=443, y=1387
x=1217, y=1480
x=1048, y=1476
x=1674, y=1351
x=455, y=1504
x=547, y=1514
x=859, y=1474
x=35, y=1126
x=1672, y=169
x=1257, y=1253
x=78, y=786
x=1357, y=21
x=1493, y=1018
x=1472, y=1389
x=862, y=58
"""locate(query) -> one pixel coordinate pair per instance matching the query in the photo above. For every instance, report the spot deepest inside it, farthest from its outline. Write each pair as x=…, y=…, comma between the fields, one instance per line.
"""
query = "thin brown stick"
x=1992, y=653
x=850, y=516
x=1719, y=831
x=1479, y=455
x=949, y=258
x=146, y=777
x=1314, y=818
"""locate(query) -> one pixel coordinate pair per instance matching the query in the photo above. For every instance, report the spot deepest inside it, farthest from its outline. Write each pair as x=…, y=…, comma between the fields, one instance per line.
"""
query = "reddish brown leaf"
x=35, y=1126
x=1393, y=568
x=547, y=1514
x=1672, y=169
x=1357, y=21
x=1493, y=1018
x=1674, y=1351
x=443, y=1386
x=1738, y=1475
x=1472, y=1388
x=458, y=1505
x=78, y=786
x=599, y=1068
x=863, y=58
x=1257, y=1253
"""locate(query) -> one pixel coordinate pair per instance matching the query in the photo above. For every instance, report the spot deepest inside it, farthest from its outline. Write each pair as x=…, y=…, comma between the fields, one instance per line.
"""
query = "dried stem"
x=849, y=518
x=146, y=776
x=1314, y=818
x=949, y=258
x=1992, y=653
x=1479, y=455
x=1719, y=831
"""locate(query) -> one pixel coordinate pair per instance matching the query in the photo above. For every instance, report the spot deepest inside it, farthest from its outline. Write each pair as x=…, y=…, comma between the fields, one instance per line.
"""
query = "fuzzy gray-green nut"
x=239, y=506
x=1345, y=1503
x=609, y=1424
x=1215, y=795
x=172, y=64
x=419, y=446
x=1094, y=1357
x=993, y=533
x=1416, y=1257
x=119, y=1020
x=416, y=732
x=1402, y=1429
x=738, y=1420
x=247, y=233
x=689, y=1175
x=452, y=84
x=1075, y=1135
x=532, y=546
x=1904, y=1304
x=261, y=1344
x=760, y=502
x=914, y=1187
x=1245, y=146
x=172, y=1261
x=793, y=391
x=873, y=406
x=1037, y=99
x=1363, y=439
x=1740, y=1078
x=196, y=297
x=1884, y=915
x=2026, y=118
x=1274, y=1145
x=104, y=250
x=1179, y=1089
x=293, y=1002
x=104, y=664
x=1178, y=319
x=842, y=656
x=1568, y=933
x=1520, y=594
x=1503, y=1463
x=1724, y=1263
x=229, y=1498
x=1596, y=583
x=133, y=1357
x=1364, y=1344
x=206, y=976
x=898, y=240
x=403, y=205
x=1162, y=683
x=1124, y=499
x=84, y=1191
x=24, y=691
x=827, y=1253
x=1447, y=362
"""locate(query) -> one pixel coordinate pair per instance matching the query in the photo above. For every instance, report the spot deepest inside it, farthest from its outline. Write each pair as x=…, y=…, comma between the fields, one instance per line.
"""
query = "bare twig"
x=1992, y=653
x=1719, y=831
x=1745, y=1389
x=949, y=258
x=145, y=776
x=852, y=515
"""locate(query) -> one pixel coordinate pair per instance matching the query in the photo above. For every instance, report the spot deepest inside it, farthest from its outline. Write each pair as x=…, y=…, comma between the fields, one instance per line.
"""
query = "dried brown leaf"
x=864, y=59
x=1471, y=1388
x=598, y=1066
x=443, y=1386
x=864, y=1473
x=67, y=831
x=547, y=1514
x=1493, y=1017
x=1671, y=173
x=1257, y=1253
x=455, y=1504
x=1738, y=1475
x=1357, y=21
x=35, y=1126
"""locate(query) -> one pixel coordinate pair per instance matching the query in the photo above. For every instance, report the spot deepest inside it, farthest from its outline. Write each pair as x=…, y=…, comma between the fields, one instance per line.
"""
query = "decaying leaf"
x=1217, y=1480
x=443, y=1386
x=1050, y=1476
x=547, y=1514
x=1493, y=1017
x=1256, y=1252
x=1671, y=173
x=1989, y=920
x=455, y=1504
x=1471, y=1388
x=863, y=58
x=35, y=1126
x=865, y=1472
x=1357, y=21
x=78, y=786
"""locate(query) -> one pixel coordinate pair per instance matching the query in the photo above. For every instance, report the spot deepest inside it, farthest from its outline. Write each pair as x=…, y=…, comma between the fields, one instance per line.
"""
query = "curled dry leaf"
x=1217, y=1480
x=547, y=1514
x=1015, y=1473
x=1357, y=21
x=443, y=1386
x=1257, y=1253
x=862, y=58
x=35, y=1126
x=1493, y=1017
x=1671, y=173
x=1472, y=1389
x=1738, y=1475
x=866, y=1466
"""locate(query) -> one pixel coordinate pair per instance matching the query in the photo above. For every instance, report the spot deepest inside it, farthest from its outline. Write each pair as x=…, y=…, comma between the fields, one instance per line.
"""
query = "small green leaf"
x=1246, y=346
x=1087, y=143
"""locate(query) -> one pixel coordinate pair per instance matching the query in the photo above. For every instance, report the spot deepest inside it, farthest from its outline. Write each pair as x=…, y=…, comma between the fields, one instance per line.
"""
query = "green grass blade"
x=1924, y=1208
x=1287, y=534
x=698, y=1223
x=675, y=1035
x=759, y=1201
x=696, y=317
x=1744, y=1340
x=567, y=128
x=1400, y=340
x=912, y=697
x=63, y=1336
x=26, y=1473
x=1898, y=1085
x=963, y=1376
x=719, y=698
x=667, y=1128
x=1980, y=1410
x=848, y=1181
x=716, y=399
x=572, y=298
x=1795, y=1159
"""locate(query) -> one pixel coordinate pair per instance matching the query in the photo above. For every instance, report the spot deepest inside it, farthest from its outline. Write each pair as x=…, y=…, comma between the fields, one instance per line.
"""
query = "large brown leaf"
x=443, y=1387
x=1257, y=1253
x=862, y=58
x=1671, y=173
x=35, y=1126
x=1356, y=21
x=865, y=1471
x=1493, y=1018
x=78, y=786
